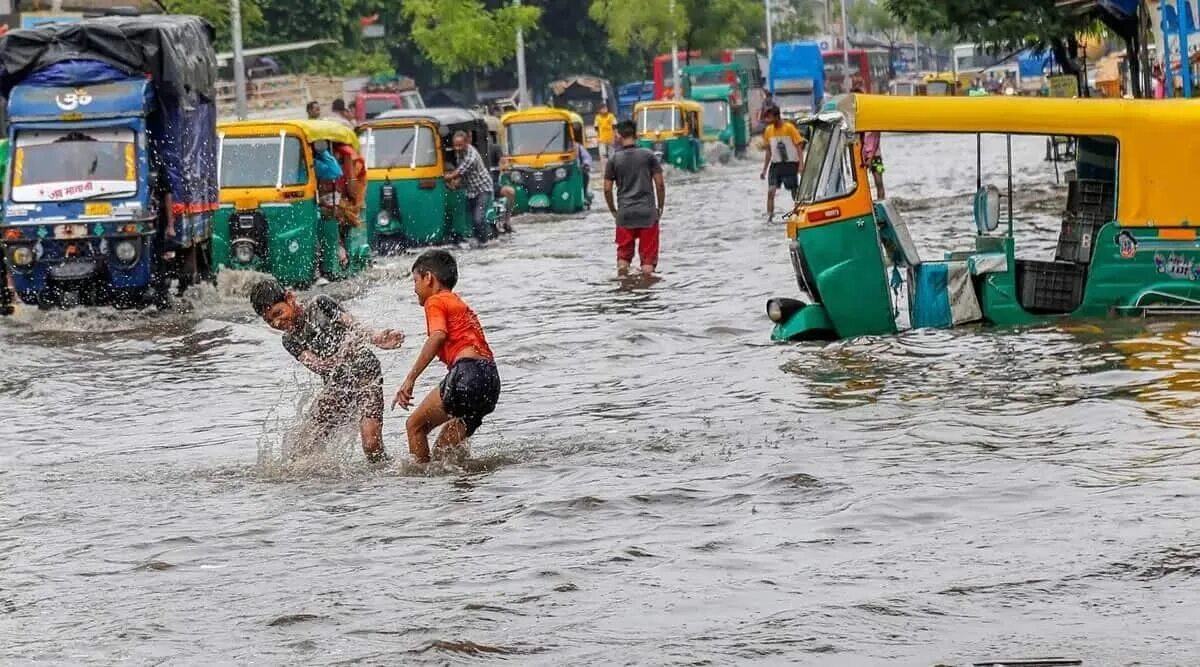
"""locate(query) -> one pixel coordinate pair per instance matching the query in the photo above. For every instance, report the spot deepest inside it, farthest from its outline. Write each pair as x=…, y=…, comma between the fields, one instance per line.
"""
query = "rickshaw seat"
x=894, y=230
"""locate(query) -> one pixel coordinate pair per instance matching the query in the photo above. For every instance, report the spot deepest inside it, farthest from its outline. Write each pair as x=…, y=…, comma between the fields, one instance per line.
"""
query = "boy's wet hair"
x=441, y=264
x=266, y=293
x=627, y=128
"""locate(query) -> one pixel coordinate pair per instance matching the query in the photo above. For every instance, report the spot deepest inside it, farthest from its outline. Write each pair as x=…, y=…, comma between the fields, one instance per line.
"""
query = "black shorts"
x=470, y=391
x=784, y=175
x=353, y=391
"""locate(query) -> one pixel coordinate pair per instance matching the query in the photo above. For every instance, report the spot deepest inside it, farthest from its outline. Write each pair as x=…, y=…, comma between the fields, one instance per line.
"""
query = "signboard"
x=34, y=19
x=1064, y=85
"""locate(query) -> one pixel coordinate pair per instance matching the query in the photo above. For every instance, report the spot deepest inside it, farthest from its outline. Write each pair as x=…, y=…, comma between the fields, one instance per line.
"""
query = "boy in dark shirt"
x=640, y=195
x=324, y=337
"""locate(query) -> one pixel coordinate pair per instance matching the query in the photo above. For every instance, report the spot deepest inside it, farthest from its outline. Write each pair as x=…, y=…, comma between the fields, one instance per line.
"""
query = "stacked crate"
x=1090, y=206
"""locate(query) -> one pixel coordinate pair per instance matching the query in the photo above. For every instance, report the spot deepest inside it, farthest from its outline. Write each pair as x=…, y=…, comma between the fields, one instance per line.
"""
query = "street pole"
x=847, y=81
x=674, y=57
x=770, y=43
x=239, y=63
x=522, y=83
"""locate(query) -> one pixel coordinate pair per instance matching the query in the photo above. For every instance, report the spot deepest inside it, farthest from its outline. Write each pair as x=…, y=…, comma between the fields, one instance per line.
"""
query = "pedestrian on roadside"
x=342, y=115
x=605, y=122
x=784, y=158
x=641, y=194
x=473, y=176
x=313, y=110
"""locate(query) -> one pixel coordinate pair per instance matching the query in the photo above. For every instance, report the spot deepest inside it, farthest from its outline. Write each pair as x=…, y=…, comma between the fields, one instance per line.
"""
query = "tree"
x=713, y=25
x=458, y=35
x=793, y=21
x=871, y=18
x=644, y=27
x=216, y=12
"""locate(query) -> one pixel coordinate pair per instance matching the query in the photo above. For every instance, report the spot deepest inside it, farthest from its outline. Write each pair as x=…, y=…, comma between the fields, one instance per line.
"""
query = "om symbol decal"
x=74, y=100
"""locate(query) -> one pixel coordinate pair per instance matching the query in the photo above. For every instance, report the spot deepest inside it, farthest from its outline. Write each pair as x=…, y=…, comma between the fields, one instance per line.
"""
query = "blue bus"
x=630, y=94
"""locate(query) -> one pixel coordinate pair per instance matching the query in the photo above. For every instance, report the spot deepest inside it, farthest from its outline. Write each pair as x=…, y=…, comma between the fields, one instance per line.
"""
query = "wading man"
x=784, y=158
x=641, y=194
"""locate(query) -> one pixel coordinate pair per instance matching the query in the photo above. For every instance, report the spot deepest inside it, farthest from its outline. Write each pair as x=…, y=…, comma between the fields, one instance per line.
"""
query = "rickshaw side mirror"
x=987, y=209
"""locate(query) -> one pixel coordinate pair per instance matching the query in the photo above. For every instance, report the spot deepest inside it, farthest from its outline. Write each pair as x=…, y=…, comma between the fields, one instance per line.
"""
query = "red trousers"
x=646, y=240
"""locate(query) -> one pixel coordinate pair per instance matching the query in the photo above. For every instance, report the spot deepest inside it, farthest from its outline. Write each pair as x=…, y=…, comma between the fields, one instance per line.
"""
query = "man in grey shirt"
x=641, y=193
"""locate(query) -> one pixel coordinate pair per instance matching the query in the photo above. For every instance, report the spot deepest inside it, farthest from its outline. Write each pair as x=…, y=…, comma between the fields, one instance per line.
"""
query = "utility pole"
x=677, y=93
x=522, y=83
x=770, y=43
x=239, y=63
x=847, y=81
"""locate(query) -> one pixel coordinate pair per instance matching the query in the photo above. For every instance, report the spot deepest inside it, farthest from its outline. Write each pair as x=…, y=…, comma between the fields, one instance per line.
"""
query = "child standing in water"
x=471, y=388
x=326, y=339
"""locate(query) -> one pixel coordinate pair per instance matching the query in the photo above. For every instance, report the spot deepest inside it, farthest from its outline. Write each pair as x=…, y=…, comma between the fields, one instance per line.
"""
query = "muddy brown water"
x=660, y=485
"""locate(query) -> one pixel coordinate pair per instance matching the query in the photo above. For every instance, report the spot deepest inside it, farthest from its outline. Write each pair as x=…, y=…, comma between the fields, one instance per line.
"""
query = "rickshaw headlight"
x=781, y=310
x=126, y=252
x=383, y=219
x=243, y=251
x=21, y=256
x=560, y=174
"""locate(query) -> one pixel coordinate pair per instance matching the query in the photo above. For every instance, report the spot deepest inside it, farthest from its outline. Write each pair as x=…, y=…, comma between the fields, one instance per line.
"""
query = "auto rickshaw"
x=542, y=160
x=724, y=92
x=671, y=128
x=941, y=85
x=408, y=152
x=1128, y=246
x=271, y=218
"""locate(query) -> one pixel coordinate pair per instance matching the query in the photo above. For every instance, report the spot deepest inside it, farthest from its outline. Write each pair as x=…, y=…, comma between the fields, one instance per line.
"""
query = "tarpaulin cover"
x=1034, y=64
x=175, y=51
x=592, y=83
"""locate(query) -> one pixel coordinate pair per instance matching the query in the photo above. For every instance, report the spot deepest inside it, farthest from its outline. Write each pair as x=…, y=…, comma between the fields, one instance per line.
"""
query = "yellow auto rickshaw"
x=673, y=130
x=542, y=160
x=271, y=218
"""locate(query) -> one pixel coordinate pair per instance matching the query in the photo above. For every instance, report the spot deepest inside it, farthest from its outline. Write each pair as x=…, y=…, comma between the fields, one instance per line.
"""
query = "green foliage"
x=874, y=18
x=997, y=25
x=339, y=62
x=794, y=20
x=721, y=24
x=458, y=35
x=644, y=26
x=216, y=12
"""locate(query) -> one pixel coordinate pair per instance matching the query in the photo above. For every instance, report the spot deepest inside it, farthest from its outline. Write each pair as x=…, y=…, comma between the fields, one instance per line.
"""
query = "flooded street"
x=660, y=484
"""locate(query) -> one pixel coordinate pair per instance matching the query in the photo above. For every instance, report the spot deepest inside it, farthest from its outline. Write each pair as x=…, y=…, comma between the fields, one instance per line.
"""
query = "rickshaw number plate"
x=97, y=208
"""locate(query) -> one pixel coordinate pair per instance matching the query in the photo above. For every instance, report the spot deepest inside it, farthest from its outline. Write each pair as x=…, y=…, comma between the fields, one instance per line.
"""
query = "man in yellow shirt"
x=784, y=157
x=605, y=122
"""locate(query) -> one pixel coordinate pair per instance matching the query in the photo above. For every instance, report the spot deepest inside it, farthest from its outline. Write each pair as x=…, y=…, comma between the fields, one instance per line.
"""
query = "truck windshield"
x=661, y=119
x=794, y=100
x=716, y=114
x=59, y=165
x=253, y=162
x=377, y=105
x=546, y=136
x=408, y=147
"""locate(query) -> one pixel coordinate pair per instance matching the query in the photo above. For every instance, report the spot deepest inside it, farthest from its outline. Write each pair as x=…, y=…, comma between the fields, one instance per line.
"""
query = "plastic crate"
x=1050, y=287
x=1078, y=237
x=1092, y=196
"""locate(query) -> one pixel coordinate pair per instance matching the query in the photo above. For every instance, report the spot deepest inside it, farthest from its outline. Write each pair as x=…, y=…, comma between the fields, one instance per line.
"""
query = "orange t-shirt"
x=445, y=311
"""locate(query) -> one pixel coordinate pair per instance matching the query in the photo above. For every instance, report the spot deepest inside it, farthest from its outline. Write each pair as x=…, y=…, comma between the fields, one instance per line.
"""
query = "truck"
x=797, y=78
x=726, y=105
x=385, y=93
x=584, y=94
x=112, y=182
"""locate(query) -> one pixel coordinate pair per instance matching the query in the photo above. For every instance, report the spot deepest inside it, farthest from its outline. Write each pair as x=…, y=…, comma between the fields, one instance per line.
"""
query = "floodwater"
x=660, y=484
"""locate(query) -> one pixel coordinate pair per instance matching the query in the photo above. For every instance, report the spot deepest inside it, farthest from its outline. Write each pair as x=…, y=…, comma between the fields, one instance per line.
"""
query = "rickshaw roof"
x=313, y=130
x=1158, y=153
x=588, y=81
x=538, y=113
x=688, y=105
x=441, y=115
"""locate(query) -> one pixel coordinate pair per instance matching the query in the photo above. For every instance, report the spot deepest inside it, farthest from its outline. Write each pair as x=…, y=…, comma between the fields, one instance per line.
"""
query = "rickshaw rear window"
x=538, y=137
x=407, y=147
x=253, y=162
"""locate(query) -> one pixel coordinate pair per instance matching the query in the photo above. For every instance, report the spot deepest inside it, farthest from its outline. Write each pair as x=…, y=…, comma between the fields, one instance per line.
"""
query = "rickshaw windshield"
x=825, y=170
x=537, y=137
x=254, y=162
x=716, y=114
x=406, y=147
x=661, y=119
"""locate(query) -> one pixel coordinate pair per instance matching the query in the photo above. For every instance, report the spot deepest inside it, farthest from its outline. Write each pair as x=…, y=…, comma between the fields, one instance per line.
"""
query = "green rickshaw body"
x=409, y=203
x=1127, y=248
x=542, y=163
x=679, y=152
x=726, y=103
x=269, y=218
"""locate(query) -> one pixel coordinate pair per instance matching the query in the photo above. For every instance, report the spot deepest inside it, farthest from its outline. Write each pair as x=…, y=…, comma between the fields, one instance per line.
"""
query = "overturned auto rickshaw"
x=1128, y=244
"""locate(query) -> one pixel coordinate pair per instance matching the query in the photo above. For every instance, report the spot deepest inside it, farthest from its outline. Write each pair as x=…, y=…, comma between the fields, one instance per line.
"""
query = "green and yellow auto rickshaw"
x=671, y=128
x=724, y=92
x=542, y=160
x=409, y=203
x=270, y=218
